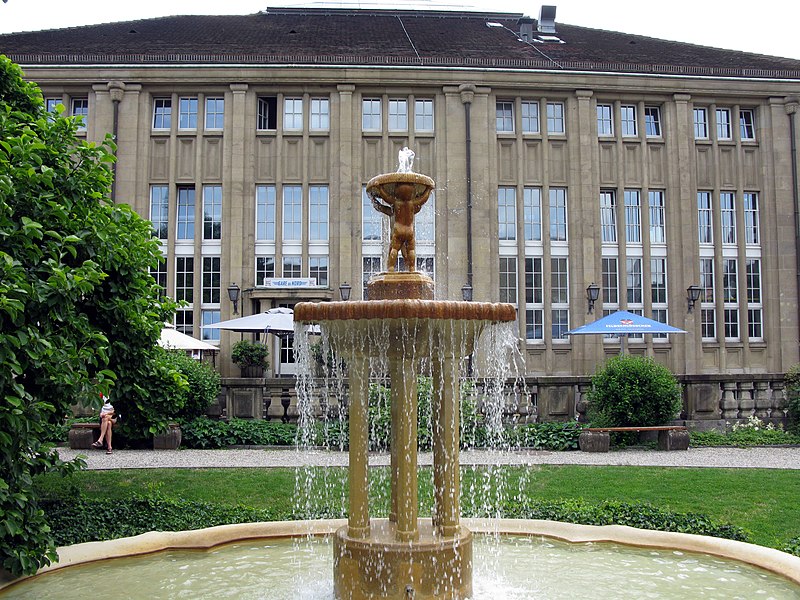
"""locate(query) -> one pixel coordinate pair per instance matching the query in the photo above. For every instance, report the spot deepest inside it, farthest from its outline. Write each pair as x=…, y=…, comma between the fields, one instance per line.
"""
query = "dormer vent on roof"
x=526, y=28
x=547, y=19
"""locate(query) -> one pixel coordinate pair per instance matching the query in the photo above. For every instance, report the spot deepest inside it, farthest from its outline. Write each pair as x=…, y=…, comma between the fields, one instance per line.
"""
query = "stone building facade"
x=563, y=157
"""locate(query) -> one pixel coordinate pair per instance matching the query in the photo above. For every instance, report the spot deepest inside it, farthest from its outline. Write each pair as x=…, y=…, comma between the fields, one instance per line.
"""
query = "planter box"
x=170, y=440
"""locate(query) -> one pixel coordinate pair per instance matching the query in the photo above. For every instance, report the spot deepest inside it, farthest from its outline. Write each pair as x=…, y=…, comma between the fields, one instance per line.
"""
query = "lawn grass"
x=762, y=501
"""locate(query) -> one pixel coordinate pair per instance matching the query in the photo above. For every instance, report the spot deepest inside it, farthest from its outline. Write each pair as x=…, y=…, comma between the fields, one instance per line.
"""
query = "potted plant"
x=251, y=357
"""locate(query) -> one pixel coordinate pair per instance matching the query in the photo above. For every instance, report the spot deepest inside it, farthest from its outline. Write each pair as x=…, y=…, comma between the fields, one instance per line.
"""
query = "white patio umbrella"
x=172, y=339
x=279, y=321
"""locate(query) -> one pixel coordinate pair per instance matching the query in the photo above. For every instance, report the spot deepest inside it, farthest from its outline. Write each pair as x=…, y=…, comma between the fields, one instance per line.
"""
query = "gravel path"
x=770, y=458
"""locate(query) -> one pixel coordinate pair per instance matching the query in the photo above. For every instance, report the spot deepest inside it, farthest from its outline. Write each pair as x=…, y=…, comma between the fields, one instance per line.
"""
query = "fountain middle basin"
x=515, y=560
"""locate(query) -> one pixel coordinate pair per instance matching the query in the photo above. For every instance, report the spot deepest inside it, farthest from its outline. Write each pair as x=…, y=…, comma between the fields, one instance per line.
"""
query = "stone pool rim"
x=775, y=561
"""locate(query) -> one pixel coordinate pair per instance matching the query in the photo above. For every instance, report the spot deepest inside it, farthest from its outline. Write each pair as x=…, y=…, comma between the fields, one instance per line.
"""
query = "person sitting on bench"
x=107, y=421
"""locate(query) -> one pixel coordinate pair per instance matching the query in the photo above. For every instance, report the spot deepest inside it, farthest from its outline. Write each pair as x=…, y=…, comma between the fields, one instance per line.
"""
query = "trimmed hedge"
x=77, y=519
x=205, y=433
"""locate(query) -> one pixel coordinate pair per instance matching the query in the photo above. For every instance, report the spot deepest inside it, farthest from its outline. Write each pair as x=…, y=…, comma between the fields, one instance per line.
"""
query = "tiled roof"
x=377, y=37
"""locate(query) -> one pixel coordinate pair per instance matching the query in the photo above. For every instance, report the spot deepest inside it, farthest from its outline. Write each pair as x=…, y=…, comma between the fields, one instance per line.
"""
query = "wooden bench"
x=670, y=437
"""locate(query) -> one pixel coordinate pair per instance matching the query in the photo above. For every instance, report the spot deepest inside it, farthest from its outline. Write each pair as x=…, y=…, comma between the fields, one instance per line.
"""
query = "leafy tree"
x=79, y=312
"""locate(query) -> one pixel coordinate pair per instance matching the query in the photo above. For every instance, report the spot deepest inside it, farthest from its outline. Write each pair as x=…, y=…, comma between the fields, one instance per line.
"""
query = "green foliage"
x=249, y=354
x=632, y=391
x=76, y=519
x=205, y=433
x=743, y=438
x=793, y=398
x=633, y=514
x=203, y=385
x=79, y=311
x=793, y=546
x=546, y=436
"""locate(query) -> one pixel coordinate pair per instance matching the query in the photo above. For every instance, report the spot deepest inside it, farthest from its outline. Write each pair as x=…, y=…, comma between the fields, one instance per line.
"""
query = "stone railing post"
x=779, y=401
x=762, y=400
x=730, y=406
x=746, y=402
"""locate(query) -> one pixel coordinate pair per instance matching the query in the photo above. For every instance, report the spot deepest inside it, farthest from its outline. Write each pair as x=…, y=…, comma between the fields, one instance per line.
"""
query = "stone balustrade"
x=709, y=401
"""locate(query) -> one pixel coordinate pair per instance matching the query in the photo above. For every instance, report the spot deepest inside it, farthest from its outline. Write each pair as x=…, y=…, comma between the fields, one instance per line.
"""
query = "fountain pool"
x=506, y=567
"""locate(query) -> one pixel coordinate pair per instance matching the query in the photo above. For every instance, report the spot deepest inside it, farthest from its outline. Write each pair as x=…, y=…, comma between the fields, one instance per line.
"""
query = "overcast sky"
x=765, y=26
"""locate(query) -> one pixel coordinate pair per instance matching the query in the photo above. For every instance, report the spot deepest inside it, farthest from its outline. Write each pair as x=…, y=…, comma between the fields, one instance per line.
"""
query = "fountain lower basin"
x=680, y=557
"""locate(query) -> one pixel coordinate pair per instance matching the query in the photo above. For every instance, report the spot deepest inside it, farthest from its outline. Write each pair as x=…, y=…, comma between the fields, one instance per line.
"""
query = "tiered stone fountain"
x=404, y=556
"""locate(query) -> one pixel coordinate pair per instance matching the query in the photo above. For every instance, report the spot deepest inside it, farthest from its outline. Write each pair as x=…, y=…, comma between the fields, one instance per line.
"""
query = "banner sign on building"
x=289, y=282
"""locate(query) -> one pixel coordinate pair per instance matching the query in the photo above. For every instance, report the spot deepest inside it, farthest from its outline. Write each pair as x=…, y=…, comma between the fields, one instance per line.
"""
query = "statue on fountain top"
x=401, y=201
x=406, y=160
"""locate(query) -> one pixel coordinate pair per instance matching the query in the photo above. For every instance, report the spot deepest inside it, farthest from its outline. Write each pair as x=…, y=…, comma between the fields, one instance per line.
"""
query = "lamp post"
x=692, y=296
x=344, y=291
x=233, y=295
x=592, y=294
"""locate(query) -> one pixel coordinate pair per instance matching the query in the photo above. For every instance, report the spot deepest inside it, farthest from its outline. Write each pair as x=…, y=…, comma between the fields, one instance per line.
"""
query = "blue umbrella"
x=623, y=322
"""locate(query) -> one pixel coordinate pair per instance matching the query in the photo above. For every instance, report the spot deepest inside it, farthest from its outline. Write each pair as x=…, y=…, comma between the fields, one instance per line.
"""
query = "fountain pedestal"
x=403, y=556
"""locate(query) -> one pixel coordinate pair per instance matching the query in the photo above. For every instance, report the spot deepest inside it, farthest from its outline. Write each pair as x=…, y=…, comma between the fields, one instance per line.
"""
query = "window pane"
x=634, y=280
x=608, y=217
x=215, y=113
x=320, y=114
x=211, y=279
x=267, y=113
x=293, y=114
x=185, y=213
x=507, y=213
x=318, y=212
x=80, y=109
x=700, y=124
x=371, y=219
x=423, y=115
x=508, y=279
x=558, y=214
x=398, y=115
x=212, y=212
x=559, y=284
x=184, y=279
x=371, y=114
x=505, y=117
x=727, y=217
x=652, y=121
x=162, y=113
x=292, y=213
x=610, y=281
x=210, y=317
x=318, y=269
x=751, y=219
x=188, y=113
x=704, y=221
x=555, y=117
x=628, y=121
x=265, y=212
x=159, y=210
x=633, y=217
x=530, y=116
x=265, y=268
x=723, y=123
x=747, y=125
x=658, y=233
x=604, y=120
x=532, y=209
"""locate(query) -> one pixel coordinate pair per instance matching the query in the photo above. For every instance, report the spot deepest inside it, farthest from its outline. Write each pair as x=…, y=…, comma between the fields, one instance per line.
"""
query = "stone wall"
x=709, y=401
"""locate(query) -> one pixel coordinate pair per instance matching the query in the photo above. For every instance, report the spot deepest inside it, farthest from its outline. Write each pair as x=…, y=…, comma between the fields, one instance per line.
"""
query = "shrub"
x=744, y=436
x=249, y=354
x=203, y=389
x=76, y=519
x=793, y=398
x=632, y=391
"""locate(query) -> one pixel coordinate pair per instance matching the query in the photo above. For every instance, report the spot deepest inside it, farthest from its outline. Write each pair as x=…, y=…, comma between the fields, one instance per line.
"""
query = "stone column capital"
x=681, y=97
x=116, y=89
x=467, y=93
x=239, y=88
x=583, y=94
x=345, y=89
